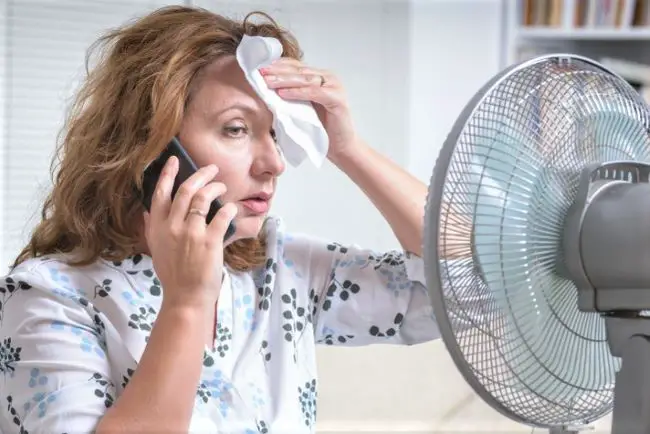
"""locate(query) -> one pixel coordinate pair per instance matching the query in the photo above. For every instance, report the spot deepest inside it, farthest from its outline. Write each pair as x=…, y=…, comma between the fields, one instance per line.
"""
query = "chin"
x=248, y=227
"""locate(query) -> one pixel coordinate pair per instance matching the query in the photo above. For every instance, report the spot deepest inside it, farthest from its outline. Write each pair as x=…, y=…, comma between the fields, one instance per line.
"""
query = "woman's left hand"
x=295, y=81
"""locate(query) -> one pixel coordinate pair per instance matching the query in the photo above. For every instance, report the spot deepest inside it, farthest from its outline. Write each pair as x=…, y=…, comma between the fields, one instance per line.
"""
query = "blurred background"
x=409, y=67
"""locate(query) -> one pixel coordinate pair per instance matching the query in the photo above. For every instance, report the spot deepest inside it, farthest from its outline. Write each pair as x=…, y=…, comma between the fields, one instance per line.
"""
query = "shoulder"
x=55, y=275
x=50, y=292
x=297, y=253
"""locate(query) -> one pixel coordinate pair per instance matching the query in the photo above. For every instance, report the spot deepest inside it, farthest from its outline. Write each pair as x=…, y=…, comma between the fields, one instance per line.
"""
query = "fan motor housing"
x=606, y=242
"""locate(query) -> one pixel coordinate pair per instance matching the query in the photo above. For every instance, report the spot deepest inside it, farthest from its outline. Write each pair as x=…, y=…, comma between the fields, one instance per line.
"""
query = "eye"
x=273, y=135
x=235, y=131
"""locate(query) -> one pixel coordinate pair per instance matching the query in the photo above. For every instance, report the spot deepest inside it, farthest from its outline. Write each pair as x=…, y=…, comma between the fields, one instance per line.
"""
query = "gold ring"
x=197, y=212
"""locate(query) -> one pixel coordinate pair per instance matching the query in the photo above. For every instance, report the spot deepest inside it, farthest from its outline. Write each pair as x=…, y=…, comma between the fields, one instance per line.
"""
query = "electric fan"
x=537, y=245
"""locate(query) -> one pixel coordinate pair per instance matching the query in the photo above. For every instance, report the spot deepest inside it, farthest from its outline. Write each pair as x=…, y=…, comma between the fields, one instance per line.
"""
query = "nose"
x=268, y=158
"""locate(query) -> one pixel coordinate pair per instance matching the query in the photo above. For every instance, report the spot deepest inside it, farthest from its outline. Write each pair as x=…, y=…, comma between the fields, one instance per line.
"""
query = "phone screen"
x=186, y=168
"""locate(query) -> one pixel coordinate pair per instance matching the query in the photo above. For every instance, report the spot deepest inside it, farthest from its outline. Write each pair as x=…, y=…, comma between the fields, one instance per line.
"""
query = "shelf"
x=595, y=34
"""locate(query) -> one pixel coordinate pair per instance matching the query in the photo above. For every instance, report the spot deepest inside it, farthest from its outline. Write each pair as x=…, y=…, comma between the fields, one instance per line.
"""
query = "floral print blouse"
x=71, y=337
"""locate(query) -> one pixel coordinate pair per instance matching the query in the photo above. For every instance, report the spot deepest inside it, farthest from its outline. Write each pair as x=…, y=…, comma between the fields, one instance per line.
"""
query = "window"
x=43, y=45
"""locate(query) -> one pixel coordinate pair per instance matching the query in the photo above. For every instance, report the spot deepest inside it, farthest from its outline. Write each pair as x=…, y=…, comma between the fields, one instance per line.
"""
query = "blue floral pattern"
x=71, y=338
x=219, y=389
x=244, y=304
x=41, y=399
x=87, y=341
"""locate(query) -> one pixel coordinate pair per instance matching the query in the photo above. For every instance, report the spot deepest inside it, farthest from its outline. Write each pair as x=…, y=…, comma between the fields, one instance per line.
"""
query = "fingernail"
x=271, y=77
x=264, y=71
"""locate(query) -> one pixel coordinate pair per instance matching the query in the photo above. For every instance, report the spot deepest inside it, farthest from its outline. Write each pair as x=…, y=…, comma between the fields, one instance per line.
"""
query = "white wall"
x=456, y=46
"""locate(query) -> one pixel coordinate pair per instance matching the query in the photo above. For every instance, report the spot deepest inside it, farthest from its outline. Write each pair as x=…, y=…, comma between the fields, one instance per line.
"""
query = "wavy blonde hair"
x=127, y=110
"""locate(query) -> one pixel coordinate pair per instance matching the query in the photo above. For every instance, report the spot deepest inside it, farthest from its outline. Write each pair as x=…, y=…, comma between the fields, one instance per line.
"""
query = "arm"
x=155, y=400
x=188, y=256
x=360, y=297
x=401, y=199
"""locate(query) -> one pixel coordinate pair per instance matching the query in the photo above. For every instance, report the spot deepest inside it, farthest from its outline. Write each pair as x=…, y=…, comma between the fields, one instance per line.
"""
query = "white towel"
x=298, y=129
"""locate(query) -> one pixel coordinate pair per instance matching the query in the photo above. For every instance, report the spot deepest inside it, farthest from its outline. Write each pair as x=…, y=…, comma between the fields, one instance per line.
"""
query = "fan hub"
x=607, y=238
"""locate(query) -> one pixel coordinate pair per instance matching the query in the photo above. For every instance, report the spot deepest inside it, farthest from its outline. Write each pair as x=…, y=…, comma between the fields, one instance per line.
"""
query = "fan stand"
x=629, y=339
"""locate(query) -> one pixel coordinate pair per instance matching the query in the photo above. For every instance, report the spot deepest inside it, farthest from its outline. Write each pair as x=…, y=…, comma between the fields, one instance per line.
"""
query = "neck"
x=141, y=246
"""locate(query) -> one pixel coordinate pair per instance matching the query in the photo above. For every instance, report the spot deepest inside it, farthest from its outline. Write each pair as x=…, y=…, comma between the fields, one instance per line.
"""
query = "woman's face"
x=228, y=125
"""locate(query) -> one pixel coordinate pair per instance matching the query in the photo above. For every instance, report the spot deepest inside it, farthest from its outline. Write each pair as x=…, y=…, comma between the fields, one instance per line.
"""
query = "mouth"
x=258, y=203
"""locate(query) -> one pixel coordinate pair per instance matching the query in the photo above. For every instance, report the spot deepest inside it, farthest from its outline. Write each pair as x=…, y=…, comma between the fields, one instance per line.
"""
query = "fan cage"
x=503, y=183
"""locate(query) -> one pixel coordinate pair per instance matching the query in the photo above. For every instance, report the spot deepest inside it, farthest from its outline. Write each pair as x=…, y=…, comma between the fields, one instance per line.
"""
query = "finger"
x=219, y=224
x=278, y=68
x=200, y=205
x=286, y=62
x=327, y=97
x=161, y=200
x=187, y=190
x=290, y=65
x=296, y=68
x=288, y=80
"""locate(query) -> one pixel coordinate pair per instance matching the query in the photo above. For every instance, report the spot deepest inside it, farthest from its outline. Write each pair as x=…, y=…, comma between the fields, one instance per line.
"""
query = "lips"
x=258, y=203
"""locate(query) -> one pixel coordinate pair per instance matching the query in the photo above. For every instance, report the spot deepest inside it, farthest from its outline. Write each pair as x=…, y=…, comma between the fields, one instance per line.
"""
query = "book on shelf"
x=601, y=14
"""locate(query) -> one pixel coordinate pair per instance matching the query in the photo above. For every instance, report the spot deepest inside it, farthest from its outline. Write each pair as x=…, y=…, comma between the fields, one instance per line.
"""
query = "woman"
x=229, y=345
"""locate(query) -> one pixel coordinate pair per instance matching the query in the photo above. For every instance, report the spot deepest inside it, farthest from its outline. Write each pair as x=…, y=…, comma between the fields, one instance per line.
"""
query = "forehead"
x=223, y=84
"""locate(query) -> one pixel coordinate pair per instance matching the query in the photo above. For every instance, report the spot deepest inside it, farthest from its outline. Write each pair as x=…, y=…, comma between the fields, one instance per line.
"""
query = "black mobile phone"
x=186, y=168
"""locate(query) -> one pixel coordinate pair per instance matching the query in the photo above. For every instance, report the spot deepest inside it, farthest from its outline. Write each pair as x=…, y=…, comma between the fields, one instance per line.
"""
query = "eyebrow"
x=237, y=106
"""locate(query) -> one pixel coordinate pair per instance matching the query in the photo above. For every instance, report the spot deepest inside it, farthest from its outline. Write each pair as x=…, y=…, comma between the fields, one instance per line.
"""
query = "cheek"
x=233, y=161
x=234, y=174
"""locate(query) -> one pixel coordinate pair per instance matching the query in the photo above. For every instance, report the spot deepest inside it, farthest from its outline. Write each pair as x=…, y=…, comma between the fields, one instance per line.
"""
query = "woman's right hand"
x=187, y=253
